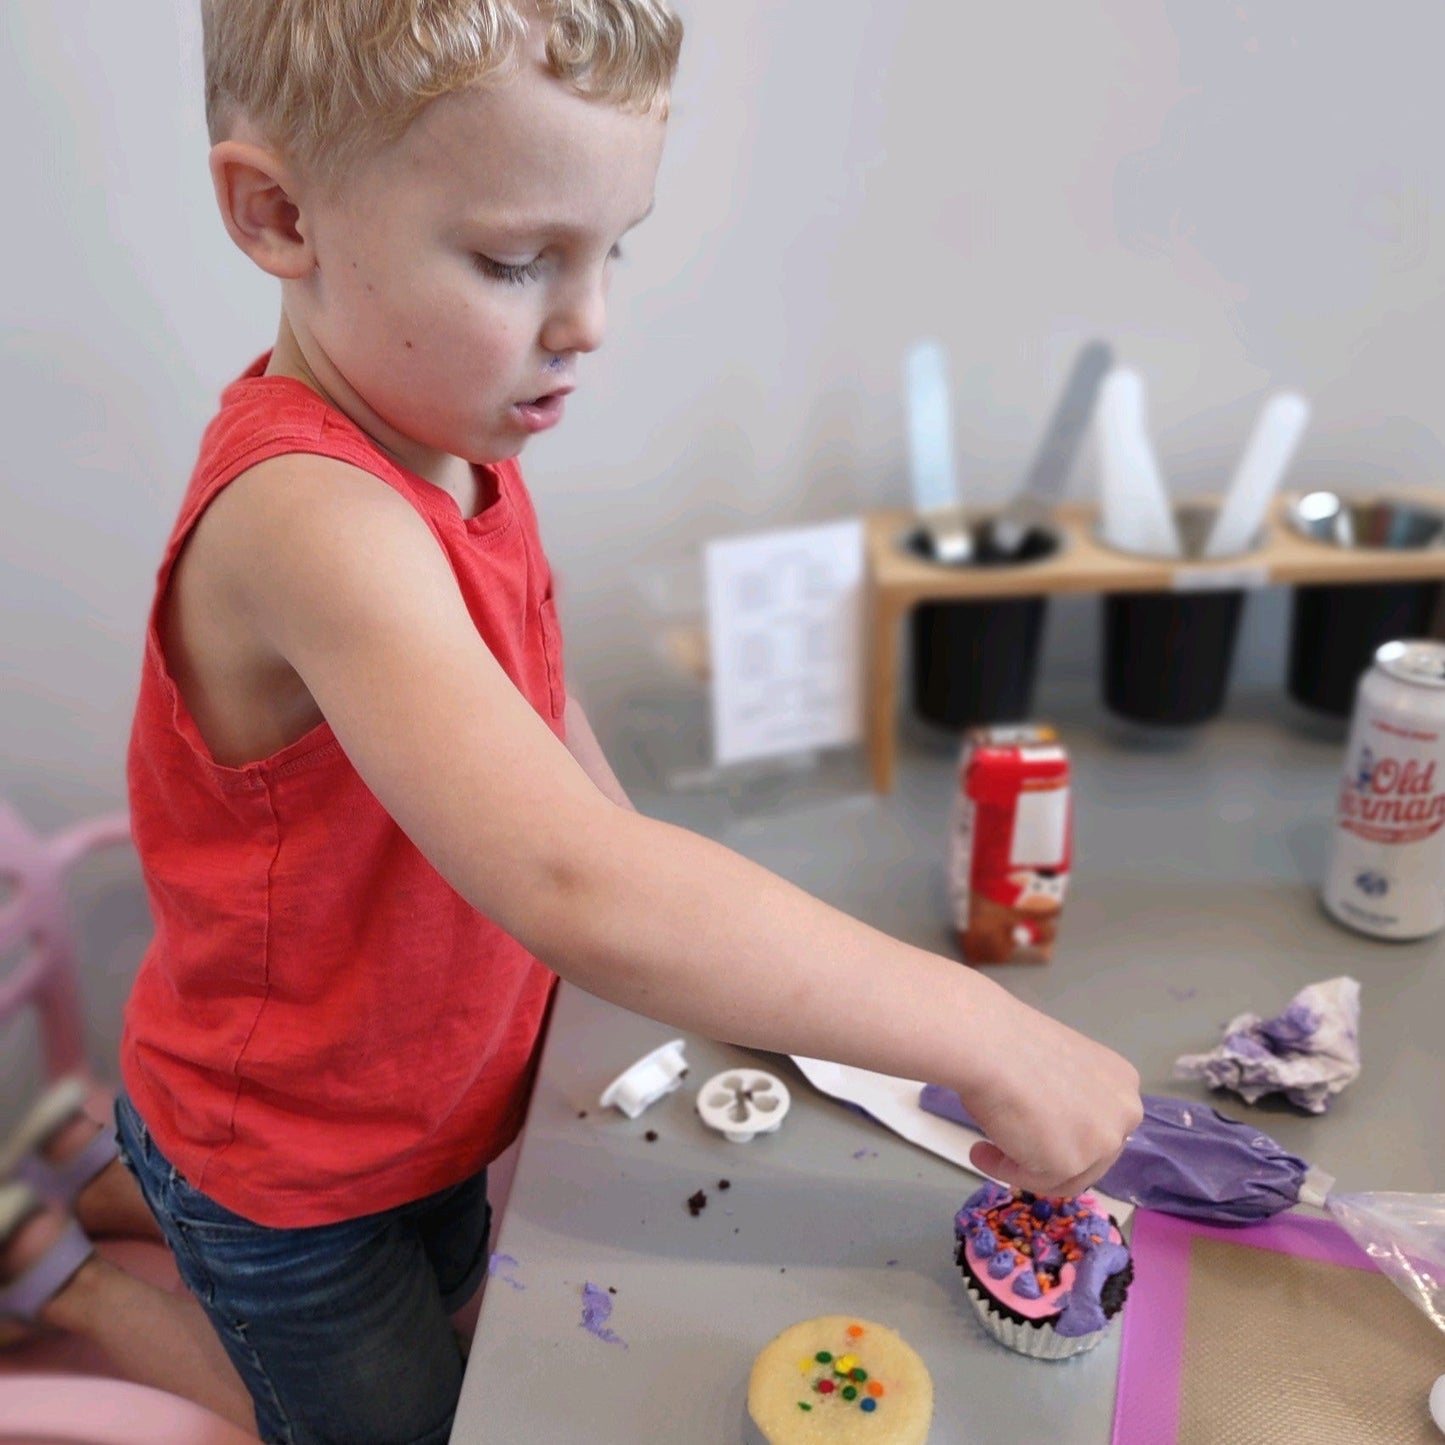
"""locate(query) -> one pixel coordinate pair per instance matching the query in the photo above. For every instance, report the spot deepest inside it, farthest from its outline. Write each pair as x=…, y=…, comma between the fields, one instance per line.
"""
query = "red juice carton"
x=1010, y=844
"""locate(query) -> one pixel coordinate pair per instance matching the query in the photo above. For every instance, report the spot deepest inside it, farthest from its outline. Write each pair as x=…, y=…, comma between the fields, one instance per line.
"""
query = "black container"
x=1168, y=655
x=1335, y=629
x=975, y=662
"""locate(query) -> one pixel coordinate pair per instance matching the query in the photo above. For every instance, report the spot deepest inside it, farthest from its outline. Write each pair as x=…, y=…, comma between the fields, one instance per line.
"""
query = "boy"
x=365, y=803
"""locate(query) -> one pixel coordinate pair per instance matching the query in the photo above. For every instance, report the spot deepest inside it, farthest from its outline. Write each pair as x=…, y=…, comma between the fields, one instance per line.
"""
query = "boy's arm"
x=583, y=745
x=343, y=580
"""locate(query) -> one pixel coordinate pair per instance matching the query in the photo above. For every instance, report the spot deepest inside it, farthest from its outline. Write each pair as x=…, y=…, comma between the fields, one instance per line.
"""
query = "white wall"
x=1236, y=195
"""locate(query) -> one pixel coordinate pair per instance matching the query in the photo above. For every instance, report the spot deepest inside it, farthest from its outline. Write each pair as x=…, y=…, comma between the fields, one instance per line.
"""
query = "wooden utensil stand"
x=898, y=579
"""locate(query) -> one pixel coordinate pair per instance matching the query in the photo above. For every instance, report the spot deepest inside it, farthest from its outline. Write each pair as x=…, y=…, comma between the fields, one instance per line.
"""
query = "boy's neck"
x=453, y=475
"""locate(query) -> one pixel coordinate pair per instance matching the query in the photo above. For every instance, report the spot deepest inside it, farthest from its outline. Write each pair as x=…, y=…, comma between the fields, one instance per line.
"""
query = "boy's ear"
x=253, y=191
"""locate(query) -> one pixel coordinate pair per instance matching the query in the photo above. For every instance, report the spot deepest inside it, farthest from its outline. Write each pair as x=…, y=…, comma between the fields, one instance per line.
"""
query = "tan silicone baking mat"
x=1283, y=1350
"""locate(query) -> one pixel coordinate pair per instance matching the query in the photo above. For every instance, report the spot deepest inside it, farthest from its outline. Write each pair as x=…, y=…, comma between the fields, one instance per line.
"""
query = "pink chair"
x=35, y=924
x=38, y=945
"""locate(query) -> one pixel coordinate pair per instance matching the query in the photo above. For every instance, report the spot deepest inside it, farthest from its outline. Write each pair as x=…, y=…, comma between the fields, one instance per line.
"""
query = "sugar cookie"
x=842, y=1380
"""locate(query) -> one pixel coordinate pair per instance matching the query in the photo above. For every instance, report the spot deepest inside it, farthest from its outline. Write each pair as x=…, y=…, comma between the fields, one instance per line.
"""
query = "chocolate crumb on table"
x=697, y=1203
x=724, y=1184
x=651, y=1136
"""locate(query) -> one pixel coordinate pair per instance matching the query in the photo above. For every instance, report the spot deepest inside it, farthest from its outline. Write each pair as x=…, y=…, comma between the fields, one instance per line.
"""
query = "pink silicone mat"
x=1269, y=1334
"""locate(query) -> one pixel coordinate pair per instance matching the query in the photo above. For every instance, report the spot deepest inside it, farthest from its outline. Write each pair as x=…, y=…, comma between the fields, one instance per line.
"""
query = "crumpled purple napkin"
x=1190, y=1160
x=1308, y=1053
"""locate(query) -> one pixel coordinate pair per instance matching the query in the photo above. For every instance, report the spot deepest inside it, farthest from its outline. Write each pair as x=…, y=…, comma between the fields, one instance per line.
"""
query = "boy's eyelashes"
x=512, y=275
x=519, y=273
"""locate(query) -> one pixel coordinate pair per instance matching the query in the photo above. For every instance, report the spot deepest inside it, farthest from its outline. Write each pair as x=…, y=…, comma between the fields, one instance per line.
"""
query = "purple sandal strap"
x=24, y=1298
x=60, y=1183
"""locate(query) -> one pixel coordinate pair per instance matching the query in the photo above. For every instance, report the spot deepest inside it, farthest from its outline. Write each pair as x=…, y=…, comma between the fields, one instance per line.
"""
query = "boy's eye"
x=501, y=271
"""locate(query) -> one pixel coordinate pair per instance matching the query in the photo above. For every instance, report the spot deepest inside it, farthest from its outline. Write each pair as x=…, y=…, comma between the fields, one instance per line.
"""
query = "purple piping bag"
x=1190, y=1160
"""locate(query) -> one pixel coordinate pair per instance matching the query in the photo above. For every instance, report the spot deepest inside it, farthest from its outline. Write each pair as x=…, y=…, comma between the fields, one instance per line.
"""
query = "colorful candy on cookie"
x=1045, y=1276
x=839, y=1380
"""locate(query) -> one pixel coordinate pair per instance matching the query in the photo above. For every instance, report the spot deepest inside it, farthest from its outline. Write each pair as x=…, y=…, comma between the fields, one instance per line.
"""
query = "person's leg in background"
x=151, y=1336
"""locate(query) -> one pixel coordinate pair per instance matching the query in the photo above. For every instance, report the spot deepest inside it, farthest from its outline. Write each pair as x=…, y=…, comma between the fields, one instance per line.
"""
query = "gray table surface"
x=1193, y=898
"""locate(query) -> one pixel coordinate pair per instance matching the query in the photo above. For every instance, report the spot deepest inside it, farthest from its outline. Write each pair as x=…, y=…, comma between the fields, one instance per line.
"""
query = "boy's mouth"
x=542, y=411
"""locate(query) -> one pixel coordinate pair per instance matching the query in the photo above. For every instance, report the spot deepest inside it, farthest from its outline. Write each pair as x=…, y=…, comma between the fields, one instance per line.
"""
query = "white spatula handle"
x=1272, y=444
x=930, y=427
x=1136, y=512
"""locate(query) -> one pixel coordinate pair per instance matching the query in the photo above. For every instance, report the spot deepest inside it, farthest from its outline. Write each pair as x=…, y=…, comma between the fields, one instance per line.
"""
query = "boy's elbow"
x=576, y=891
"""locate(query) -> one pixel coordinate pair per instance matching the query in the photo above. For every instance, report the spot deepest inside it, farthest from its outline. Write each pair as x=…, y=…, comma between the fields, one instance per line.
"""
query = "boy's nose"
x=578, y=323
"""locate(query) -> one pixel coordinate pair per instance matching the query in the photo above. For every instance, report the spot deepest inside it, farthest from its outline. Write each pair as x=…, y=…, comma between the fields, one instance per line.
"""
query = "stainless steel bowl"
x=981, y=549
x=1379, y=523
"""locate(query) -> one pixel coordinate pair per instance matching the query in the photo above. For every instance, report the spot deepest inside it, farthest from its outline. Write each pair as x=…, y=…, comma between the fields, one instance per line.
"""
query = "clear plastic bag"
x=1405, y=1236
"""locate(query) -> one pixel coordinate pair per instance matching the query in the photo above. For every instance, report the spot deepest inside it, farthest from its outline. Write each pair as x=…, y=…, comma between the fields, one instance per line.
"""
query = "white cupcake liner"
x=1039, y=1342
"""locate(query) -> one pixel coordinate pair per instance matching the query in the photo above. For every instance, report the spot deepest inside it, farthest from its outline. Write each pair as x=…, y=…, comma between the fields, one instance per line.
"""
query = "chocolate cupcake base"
x=1038, y=1338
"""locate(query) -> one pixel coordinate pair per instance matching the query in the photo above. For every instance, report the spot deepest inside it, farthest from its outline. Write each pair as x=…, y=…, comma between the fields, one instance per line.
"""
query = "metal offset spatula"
x=930, y=453
x=1047, y=476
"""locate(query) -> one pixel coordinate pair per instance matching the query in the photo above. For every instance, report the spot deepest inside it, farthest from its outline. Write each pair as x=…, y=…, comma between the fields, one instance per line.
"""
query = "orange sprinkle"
x=874, y=1388
x=853, y=1331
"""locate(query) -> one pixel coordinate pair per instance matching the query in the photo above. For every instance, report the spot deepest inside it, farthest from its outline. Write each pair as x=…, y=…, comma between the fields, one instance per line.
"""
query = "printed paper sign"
x=785, y=635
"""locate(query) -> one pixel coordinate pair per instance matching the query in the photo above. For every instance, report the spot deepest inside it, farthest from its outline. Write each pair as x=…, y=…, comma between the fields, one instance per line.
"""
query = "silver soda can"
x=1387, y=865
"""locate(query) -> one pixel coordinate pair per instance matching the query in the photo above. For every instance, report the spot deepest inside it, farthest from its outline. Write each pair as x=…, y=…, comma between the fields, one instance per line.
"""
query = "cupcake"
x=1045, y=1275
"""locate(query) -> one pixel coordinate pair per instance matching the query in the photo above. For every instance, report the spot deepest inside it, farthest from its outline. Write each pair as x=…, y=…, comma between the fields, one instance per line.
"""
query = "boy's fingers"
x=990, y=1159
x=986, y=1157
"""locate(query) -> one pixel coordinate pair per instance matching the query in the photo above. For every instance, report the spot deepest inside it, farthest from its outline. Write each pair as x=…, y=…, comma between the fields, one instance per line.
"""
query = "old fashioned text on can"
x=1386, y=873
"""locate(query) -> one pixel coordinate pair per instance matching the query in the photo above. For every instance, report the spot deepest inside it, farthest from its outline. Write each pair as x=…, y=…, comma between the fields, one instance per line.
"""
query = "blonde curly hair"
x=329, y=81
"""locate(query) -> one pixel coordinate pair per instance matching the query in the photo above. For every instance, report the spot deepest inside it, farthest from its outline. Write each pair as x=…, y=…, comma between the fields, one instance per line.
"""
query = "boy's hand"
x=1057, y=1107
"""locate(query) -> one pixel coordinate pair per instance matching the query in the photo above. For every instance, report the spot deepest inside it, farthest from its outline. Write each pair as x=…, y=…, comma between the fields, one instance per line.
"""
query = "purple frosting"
x=1026, y=1286
x=1082, y=1312
x=596, y=1311
x=986, y=1196
x=1001, y=1265
x=1293, y=1031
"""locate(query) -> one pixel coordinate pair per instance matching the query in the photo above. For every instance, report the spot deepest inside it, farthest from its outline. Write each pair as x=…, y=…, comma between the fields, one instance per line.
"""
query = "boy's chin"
x=489, y=454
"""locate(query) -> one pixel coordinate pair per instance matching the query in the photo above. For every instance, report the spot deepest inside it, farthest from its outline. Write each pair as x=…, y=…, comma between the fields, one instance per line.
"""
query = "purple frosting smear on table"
x=1190, y=1160
x=499, y=1263
x=596, y=1311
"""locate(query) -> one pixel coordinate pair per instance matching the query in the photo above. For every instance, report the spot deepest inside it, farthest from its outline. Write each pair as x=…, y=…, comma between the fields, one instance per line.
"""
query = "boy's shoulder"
x=260, y=416
x=303, y=509
x=296, y=558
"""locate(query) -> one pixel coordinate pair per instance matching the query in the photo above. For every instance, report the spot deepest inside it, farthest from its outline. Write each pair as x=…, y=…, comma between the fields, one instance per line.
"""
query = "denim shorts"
x=339, y=1331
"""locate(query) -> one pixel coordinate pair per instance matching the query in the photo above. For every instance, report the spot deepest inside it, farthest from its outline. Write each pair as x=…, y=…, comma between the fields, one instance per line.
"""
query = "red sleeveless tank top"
x=322, y=1027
